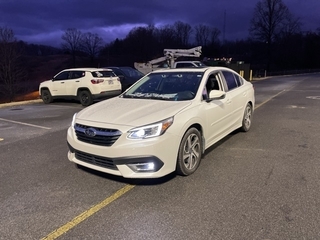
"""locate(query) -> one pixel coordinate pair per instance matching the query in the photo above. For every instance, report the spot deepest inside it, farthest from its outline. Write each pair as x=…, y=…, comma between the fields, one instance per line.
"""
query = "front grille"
x=96, y=136
x=95, y=160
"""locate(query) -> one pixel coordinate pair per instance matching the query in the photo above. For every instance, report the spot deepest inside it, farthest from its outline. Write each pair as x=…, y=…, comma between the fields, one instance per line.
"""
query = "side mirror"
x=216, y=95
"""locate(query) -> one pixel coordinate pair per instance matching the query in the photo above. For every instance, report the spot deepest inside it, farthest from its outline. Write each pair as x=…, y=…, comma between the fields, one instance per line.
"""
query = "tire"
x=85, y=98
x=46, y=96
x=190, y=152
x=247, y=118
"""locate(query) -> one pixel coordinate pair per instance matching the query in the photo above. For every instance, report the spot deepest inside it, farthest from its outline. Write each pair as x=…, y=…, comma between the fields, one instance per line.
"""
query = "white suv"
x=83, y=84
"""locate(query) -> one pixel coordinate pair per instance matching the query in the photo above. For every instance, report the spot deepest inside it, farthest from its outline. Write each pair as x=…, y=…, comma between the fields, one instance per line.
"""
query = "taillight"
x=97, y=81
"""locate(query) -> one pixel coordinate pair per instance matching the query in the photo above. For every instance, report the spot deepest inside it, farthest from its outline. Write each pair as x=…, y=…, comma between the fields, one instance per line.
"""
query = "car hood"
x=46, y=82
x=131, y=112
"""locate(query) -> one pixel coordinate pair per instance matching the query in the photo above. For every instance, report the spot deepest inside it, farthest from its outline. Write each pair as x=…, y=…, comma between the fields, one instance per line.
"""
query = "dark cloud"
x=44, y=22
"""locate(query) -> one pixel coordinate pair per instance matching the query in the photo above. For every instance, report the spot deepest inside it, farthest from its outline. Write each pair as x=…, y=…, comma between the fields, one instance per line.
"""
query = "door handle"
x=228, y=101
x=62, y=82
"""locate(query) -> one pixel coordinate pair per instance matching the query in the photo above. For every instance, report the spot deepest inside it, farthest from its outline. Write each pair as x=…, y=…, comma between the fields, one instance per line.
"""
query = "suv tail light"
x=97, y=81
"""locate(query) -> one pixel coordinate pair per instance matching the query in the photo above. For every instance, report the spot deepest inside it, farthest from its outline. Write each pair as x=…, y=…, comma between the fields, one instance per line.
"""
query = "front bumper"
x=146, y=158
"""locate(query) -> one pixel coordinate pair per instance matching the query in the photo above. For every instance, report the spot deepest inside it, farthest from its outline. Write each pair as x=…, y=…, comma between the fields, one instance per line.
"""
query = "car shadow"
x=131, y=181
x=75, y=101
x=222, y=141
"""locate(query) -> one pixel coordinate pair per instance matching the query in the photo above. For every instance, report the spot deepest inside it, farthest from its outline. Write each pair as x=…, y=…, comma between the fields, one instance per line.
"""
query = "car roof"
x=187, y=61
x=123, y=67
x=191, y=69
x=87, y=69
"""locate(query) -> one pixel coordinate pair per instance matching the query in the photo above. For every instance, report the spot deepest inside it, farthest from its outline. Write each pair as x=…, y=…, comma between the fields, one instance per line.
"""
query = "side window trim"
x=223, y=84
x=219, y=80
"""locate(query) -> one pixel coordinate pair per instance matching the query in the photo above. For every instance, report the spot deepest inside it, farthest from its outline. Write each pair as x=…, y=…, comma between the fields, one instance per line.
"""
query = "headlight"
x=73, y=120
x=152, y=130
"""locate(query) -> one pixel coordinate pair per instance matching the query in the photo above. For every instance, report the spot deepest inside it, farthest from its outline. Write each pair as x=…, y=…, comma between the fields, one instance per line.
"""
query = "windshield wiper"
x=130, y=96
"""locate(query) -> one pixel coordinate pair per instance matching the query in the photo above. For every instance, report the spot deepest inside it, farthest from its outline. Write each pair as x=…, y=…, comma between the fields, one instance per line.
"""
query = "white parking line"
x=22, y=123
x=1, y=139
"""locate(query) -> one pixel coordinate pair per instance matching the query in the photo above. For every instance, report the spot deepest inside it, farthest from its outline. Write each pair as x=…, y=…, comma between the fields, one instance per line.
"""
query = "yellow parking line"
x=259, y=105
x=83, y=216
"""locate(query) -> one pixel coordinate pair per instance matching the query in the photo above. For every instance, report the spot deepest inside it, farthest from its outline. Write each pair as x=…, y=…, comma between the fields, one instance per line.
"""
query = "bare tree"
x=215, y=34
x=183, y=32
x=202, y=34
x=269, y=20
x=11, y=72
x=141, y=41
x=291, y=25
x=91, y=44
x=72, y=38
x=166, y=36
x=206, y=35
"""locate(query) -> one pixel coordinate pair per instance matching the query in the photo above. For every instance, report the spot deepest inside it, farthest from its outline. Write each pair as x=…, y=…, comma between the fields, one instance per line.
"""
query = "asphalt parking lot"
x=263, y=184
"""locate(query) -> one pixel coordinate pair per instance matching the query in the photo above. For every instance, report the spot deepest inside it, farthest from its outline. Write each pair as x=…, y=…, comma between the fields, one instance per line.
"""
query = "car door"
x=58, y=84
x=72, y=84
x=237, y=95
x=218, y=112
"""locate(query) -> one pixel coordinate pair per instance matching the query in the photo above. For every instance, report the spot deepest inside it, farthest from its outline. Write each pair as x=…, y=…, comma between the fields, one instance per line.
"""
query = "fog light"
x=142, y=167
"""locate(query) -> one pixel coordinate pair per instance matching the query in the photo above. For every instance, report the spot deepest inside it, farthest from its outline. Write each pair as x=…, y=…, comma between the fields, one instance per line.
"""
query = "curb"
x=3, y=105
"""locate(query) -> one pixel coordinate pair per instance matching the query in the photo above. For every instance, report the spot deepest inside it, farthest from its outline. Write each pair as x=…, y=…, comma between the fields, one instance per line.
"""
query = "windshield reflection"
x=173, y=86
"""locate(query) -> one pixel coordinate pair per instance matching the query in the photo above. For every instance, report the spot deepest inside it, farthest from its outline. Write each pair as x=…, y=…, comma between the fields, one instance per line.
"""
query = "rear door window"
x=230, y=80
x=76, y=74
x=239, y=80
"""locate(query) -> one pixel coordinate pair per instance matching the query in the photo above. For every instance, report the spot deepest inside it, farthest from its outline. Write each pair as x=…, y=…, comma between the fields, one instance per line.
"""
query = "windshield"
x=173, y=86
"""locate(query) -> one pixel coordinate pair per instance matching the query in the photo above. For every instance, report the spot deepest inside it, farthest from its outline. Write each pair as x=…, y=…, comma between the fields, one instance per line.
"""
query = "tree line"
x=275, y=42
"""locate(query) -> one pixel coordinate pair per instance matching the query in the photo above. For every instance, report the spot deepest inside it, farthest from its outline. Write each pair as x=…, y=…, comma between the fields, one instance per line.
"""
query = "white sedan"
x=161, y=124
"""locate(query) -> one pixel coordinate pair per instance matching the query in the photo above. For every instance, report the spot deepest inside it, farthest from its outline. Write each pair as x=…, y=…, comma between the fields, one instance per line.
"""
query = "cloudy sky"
x=44, y=21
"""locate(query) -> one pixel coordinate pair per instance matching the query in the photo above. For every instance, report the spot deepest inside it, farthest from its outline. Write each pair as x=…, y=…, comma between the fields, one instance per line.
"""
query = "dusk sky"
x=44, y=21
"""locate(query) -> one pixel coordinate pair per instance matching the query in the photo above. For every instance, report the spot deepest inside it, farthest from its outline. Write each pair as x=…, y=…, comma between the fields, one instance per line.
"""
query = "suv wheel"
x=46, y=96
x=85, y=98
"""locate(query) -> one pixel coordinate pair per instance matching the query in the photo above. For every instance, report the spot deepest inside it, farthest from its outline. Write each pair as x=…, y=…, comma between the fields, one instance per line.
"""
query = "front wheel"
x=247, y=118
x=190, y=152
x=85, y=98
x=46, y=96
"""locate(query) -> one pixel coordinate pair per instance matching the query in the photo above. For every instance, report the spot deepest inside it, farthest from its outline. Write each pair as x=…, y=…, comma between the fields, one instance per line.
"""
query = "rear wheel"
x=247, y=118
x=190, y=152
x=85, y=98
x=46, y=96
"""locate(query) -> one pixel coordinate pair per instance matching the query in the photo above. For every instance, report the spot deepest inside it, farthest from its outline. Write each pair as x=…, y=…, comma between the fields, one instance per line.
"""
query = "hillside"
x=38, y=69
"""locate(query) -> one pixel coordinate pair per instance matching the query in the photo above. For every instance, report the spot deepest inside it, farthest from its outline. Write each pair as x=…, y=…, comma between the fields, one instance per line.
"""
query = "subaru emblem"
x=90, y=132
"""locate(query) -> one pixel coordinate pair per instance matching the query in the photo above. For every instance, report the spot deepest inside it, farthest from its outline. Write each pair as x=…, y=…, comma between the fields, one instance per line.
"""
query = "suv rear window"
x=99, y=74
